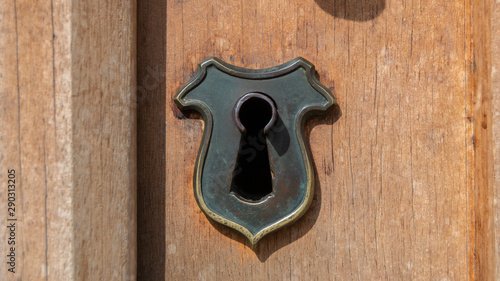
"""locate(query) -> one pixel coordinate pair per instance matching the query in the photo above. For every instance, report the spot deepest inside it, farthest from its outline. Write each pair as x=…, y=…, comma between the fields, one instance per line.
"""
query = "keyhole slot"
x=254, y=114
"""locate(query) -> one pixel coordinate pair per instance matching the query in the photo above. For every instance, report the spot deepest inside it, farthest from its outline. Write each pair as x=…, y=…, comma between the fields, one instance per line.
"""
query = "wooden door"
x=407, y=170
x=404, y=171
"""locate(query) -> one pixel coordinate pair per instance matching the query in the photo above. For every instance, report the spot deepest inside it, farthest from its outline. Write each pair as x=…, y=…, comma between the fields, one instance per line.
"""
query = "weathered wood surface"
x=404, y=177
x=483, y=42
x=67, y=127
x=495, y=110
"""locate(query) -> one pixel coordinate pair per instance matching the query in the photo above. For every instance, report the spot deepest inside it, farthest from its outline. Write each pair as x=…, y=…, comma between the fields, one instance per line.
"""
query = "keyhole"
x=254, y=114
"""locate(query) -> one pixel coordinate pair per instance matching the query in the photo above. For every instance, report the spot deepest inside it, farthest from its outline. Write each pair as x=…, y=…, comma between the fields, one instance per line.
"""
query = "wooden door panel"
x=68, y=131
x=398, y=189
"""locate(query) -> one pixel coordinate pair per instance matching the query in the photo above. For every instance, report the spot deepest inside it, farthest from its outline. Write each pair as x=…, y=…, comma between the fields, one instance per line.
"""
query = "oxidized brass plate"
x=253, y=171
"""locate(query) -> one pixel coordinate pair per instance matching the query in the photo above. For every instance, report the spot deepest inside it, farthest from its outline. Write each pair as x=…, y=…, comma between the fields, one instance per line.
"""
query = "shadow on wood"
x=151, y=139
x=356, y=10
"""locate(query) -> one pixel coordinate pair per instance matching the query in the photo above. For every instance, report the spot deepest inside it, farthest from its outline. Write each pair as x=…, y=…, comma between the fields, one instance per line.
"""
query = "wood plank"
x=485, y=120
x=495, y=91
x=67, y=83
x=396, y=173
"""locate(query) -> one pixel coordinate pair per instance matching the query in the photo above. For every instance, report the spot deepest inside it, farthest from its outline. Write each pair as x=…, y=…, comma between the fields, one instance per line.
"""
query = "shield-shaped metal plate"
x=226, y=151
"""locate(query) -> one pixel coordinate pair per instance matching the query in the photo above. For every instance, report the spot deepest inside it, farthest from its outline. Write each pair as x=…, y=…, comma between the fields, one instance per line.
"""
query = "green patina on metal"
x=214, y=92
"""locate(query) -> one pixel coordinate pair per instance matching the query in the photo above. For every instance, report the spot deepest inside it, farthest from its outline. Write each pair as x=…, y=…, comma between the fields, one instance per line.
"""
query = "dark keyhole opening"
x=252, y=177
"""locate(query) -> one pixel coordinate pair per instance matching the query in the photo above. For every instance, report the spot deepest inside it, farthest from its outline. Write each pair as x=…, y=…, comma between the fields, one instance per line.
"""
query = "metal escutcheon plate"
x=253, y=171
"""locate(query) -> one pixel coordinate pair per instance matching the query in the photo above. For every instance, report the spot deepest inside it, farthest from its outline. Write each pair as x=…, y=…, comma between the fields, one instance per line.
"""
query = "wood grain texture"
x=67, y=119
x=400, y=176
x=485, y=160
x=495, y=91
